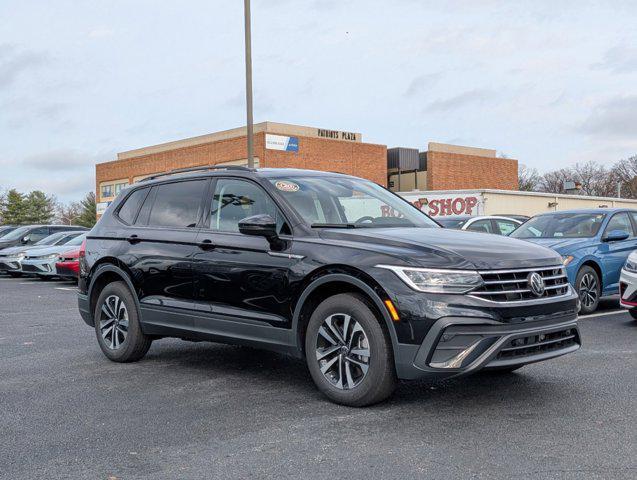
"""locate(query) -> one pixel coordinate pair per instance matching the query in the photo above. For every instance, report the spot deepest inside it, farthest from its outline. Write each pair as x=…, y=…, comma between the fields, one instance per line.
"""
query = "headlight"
x=17, y=257
x=50, y=257
x=631, y=263
x=432, y=280
x=566, y=259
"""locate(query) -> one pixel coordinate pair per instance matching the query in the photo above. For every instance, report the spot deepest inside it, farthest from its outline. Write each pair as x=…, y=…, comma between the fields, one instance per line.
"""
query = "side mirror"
x=261, y=226
x=616, y=236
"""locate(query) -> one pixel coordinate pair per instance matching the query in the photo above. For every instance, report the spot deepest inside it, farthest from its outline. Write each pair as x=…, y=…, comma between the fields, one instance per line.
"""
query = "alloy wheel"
x=342, y=351
x=114, y=322
x=588, y=290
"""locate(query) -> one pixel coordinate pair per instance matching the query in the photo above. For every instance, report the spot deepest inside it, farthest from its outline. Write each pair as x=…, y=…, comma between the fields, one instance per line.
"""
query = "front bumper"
x=10, y=265
x=39, y=267
x=458, y=346
x=628, y=289
x=67, y=269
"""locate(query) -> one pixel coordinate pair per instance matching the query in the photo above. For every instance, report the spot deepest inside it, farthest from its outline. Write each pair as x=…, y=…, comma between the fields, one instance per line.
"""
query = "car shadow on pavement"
x=269, y=370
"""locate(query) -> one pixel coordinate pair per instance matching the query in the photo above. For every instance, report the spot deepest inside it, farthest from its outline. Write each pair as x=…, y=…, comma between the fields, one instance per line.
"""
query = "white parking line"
x=68, y=289
x=601, y=314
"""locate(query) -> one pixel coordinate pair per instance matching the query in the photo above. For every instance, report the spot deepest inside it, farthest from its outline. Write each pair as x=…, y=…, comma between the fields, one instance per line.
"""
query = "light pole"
x=248, y=42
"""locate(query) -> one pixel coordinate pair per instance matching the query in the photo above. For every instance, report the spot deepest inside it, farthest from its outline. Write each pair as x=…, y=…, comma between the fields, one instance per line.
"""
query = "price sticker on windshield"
x=286, y=186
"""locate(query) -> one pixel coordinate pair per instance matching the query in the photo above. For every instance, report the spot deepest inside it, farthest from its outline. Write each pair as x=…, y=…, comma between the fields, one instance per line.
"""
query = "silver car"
x=496, y=224
x=11, y=258
x=41, y=261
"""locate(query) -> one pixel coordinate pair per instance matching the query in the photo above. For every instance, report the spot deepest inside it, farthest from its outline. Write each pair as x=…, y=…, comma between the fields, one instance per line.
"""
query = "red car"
x=68, y=265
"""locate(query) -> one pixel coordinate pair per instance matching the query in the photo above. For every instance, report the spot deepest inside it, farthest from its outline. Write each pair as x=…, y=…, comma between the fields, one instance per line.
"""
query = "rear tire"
x=588, y=288
x=117, y=326
x=633, y=313
x=349, y=353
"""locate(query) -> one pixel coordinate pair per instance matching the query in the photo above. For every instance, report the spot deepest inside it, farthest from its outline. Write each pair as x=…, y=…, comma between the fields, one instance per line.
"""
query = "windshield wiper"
x=334, y=225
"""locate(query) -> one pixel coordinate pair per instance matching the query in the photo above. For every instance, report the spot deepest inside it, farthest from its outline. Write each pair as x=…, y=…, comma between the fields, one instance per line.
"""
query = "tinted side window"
x=483, y=226
x=621, y=222
x=128, y=211
x=506, y=226
x=235, y=200
x=177, y=204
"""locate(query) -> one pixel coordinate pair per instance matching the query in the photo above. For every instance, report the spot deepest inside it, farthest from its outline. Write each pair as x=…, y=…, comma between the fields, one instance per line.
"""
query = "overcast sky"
x=547, y=82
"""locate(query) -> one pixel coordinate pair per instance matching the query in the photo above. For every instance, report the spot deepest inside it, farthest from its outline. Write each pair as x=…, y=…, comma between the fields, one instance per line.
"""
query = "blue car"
x=594, y=244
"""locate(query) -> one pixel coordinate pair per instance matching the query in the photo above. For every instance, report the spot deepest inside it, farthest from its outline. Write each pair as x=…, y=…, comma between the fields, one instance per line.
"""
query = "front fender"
x=342, y=277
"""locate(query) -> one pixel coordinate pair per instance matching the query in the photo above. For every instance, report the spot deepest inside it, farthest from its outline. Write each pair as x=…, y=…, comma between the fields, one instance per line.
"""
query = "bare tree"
x=69, y=213
x=624, y=172
x=553, y=182
x=528, y=178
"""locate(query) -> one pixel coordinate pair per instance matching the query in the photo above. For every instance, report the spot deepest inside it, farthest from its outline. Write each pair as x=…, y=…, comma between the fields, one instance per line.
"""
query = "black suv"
x=327, y=267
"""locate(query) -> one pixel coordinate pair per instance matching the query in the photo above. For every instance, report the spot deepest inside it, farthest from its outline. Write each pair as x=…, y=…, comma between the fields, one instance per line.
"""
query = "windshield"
x=51, y=239
x=17, y=233
x=348, y=202
x=77, y=241
x=456, y=223
x=561, y=225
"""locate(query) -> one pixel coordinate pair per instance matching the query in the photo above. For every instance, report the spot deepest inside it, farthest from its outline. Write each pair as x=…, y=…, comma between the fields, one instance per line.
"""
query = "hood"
x=562, y=245
x=22, y=248
x=9, y=243
x=48, y=250
x=446, y=248
x=13, y=250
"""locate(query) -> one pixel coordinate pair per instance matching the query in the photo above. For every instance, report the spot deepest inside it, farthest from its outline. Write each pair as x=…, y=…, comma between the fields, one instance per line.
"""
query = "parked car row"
x=54, y=255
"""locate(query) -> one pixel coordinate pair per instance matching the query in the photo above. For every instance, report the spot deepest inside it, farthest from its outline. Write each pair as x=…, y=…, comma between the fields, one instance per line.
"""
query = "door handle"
x=133, y=239
x=206, y=244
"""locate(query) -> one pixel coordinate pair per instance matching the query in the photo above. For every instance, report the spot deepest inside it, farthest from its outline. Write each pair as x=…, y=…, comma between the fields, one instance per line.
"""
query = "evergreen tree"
x=88, y=211
x=38, y=208
x=13, y=208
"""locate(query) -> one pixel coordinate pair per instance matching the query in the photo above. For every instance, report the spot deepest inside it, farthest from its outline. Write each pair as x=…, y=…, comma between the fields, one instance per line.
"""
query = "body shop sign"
x=443, y=205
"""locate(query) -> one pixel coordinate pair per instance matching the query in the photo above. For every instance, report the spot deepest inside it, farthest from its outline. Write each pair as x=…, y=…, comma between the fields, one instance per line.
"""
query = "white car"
x=496, y=224
x=628, y=285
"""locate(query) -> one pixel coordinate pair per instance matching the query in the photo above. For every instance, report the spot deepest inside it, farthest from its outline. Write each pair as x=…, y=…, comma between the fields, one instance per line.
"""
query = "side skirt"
x=191, y=325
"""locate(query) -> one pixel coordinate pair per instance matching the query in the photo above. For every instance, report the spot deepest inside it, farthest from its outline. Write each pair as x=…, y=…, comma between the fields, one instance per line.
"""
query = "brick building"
x=282, y=145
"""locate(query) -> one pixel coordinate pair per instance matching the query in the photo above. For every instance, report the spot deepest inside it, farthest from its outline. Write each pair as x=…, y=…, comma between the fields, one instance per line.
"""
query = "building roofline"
x=263, y=127
x=518, y=193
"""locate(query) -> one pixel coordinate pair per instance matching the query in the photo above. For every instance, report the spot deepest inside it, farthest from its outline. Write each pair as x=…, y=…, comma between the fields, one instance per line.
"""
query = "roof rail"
x=198, y=169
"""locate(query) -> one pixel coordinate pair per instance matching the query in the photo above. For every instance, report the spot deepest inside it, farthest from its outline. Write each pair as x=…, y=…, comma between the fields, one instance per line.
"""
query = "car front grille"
x=538, y=343
x=514, y=286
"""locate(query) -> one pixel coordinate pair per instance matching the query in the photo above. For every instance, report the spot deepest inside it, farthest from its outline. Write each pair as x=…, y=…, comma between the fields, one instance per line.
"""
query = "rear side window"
x=177, y=204
x=483, y=226
x=128, y=211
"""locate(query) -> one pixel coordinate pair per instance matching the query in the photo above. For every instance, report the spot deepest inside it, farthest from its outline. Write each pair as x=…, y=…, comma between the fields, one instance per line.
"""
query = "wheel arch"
x=108, y=270
x=589, y=262
x=332, y=282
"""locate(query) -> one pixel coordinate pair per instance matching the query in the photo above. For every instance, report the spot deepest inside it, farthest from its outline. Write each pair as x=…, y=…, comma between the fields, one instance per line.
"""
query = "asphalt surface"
x=203, y=410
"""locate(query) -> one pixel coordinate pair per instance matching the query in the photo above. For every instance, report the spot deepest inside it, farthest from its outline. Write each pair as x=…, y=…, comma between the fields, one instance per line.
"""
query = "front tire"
x=349, y=353
x=117, y=326
x=588, y=288
x=14, y=274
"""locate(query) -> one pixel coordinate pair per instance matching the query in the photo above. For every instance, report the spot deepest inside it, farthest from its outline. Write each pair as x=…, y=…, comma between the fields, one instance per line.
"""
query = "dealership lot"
x=202, y=410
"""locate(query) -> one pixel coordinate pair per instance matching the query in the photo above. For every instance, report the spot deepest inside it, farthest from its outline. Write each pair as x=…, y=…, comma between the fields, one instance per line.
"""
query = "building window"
x=107, y=191
x=119, y=187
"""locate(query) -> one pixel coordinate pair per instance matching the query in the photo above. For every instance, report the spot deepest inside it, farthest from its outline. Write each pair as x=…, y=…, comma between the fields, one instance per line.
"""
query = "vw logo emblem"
x=535, y=283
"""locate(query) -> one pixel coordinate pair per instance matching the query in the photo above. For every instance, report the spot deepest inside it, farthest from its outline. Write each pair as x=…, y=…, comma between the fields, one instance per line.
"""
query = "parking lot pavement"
x=202, y=410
